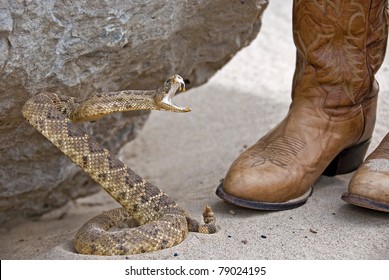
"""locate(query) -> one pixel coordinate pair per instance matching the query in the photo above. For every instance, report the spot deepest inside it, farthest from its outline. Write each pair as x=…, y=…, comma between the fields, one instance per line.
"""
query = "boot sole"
x=262, y=205
x=365, y=202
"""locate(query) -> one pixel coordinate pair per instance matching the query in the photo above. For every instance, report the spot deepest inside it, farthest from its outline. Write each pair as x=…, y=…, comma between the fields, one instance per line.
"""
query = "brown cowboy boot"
x=331, y=119
x=369, y=186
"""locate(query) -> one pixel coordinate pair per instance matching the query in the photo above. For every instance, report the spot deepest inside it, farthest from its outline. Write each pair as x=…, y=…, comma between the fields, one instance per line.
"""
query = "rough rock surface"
x=77, y=47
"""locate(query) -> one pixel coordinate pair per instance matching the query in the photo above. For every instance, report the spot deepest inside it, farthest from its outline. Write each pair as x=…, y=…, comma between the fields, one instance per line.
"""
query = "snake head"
x=169, y=89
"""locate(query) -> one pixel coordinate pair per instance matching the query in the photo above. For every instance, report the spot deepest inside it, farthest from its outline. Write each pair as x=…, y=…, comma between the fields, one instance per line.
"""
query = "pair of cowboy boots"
x=340, y=47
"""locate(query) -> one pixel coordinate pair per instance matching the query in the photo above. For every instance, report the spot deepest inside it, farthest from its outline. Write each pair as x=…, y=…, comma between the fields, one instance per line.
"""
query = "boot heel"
x=348, y=160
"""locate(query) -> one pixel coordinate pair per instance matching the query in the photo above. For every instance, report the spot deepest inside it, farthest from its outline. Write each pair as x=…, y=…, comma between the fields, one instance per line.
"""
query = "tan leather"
x=334, y=97
x=372, y=179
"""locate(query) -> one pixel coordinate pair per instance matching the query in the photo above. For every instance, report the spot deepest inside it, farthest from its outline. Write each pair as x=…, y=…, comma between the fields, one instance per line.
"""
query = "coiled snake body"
x=162, y=223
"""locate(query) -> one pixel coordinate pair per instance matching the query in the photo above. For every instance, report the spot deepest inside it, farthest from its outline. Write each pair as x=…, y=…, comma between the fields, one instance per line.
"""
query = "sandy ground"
x=187, y=154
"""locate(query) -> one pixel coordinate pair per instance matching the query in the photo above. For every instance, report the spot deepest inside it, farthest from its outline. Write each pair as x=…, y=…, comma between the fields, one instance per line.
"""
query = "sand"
x=187, y=154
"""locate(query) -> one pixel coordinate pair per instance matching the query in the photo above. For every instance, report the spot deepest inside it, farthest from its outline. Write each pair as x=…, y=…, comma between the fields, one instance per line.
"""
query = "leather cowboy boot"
x=369, y=186
x=331, y=119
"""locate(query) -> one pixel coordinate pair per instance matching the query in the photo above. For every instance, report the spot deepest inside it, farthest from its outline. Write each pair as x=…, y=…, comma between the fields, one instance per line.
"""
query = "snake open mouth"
x=177, y=84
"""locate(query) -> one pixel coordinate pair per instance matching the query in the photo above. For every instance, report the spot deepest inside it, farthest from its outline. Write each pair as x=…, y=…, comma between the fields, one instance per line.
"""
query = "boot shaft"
x=340, y=46
x=377, y=34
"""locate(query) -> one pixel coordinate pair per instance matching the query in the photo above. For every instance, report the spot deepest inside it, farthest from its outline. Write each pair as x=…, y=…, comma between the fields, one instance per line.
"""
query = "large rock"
x=79, y=47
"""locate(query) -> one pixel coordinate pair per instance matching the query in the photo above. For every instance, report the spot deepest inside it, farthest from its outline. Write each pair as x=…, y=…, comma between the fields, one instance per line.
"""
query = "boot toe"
x=263, y=185
x=369, y=188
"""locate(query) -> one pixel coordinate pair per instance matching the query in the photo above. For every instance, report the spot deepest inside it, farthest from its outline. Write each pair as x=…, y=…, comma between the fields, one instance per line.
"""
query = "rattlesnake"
x=161, y=222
